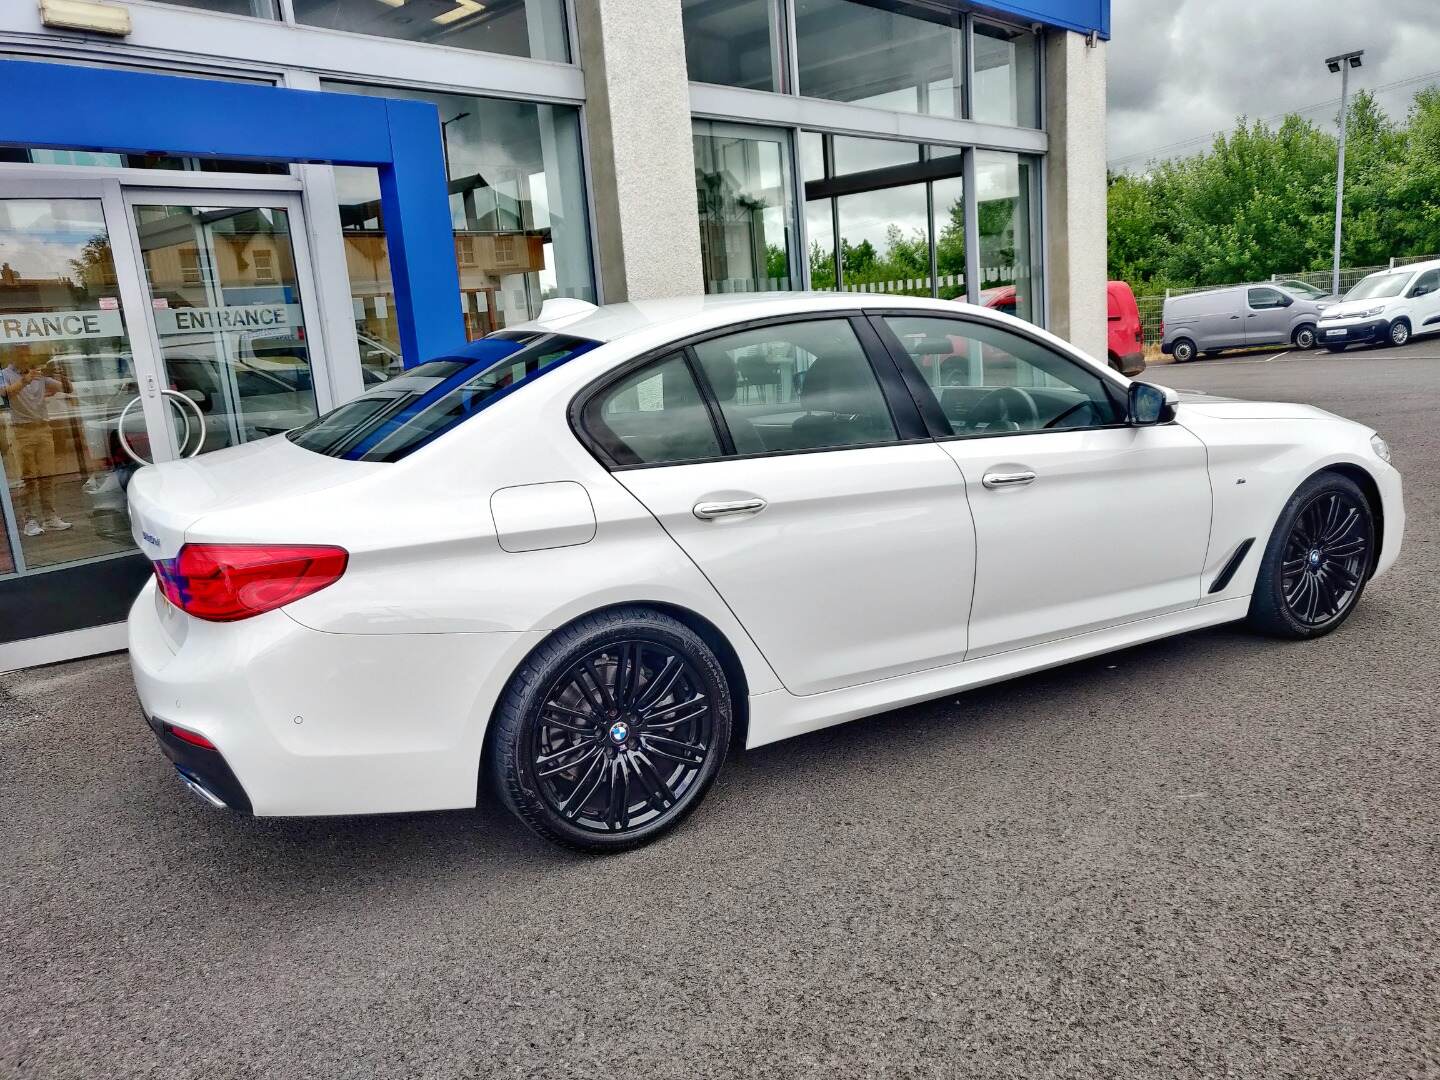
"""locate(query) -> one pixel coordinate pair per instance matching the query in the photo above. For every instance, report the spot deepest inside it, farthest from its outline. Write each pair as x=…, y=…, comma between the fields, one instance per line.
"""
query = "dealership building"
x=219, y=218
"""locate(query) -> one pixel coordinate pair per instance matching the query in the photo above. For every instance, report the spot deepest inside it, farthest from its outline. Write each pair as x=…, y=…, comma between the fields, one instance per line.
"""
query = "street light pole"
x=1342, y=64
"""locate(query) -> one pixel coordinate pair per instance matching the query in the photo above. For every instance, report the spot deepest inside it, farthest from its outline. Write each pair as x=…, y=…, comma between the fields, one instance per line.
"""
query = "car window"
x=988, y=380
x=1261, y=299
x=796, y=386
x=1427, y=282
x=654, y=416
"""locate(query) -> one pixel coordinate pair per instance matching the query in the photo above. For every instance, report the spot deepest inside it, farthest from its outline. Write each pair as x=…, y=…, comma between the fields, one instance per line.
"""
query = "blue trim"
x=1082, y=16
x=69, y=107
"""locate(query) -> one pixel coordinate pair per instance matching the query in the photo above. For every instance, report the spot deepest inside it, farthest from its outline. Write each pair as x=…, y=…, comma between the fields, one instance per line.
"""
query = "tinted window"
x=402, y=414
x=988, y=380
x=1260, y=299
x=653, y=416
x=796, y=386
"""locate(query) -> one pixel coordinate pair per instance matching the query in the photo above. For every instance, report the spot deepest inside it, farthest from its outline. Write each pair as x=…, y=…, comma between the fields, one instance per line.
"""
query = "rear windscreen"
x=422, y=403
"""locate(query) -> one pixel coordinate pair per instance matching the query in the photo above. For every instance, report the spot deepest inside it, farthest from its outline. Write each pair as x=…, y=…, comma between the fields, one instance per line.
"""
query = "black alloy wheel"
x=615, y=737
x=1318, y=560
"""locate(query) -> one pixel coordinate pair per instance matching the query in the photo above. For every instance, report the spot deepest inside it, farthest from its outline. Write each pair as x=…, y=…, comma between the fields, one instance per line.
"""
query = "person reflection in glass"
x=27, y=384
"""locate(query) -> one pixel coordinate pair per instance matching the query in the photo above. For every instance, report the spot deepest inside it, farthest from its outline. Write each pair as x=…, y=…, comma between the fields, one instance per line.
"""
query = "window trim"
x=924, y=395
x=910, y=426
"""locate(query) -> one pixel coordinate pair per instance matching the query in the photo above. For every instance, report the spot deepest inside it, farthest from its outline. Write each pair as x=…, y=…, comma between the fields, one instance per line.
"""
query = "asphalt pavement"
x=1212, y=856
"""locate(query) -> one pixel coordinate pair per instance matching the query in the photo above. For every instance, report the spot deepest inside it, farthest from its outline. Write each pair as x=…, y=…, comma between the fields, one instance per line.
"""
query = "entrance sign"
x=39, y=326
x=247, y=317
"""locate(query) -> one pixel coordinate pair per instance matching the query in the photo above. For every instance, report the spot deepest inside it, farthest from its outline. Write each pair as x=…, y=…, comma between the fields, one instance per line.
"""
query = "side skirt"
x=780, y=714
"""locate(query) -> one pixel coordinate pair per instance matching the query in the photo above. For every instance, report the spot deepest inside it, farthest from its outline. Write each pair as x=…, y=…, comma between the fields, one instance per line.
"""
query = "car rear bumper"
x=313, y=723
x=1353, y=333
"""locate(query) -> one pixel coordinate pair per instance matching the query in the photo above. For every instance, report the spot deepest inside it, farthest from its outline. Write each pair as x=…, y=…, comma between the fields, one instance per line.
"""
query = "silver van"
x=1237, y=317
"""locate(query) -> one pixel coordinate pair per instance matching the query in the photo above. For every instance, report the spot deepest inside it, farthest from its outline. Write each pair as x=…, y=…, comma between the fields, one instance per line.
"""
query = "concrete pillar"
x=642, y=159
x=1075, y=193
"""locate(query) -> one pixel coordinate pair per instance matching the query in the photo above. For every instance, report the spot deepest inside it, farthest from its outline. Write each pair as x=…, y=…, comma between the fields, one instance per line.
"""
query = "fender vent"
x=1222, y=579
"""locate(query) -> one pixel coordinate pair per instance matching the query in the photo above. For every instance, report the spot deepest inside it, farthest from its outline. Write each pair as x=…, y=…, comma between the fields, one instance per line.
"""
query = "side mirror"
x=1150, y=405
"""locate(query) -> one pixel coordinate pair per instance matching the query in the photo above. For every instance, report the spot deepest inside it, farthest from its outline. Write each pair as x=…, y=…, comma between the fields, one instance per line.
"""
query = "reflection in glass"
x=261, y=9
x=1006, y=89
x=747, y=220
x=517, y=203
x=853, y=155
x=948, y=229
x=65, y=377
x=885, y=241
x=732, y=42
x=812, y=156
x=869, y=54
x=225, y=298
x=820, y=227
x=533, y=28
x=1004, y=194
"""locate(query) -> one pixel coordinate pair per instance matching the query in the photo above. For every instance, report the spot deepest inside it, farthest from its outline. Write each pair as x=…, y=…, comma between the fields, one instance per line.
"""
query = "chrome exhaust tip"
x=194, y=783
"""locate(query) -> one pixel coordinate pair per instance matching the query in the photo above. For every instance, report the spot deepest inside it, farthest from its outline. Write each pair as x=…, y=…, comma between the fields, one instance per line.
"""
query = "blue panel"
x=69, y=107
x=1081, y=16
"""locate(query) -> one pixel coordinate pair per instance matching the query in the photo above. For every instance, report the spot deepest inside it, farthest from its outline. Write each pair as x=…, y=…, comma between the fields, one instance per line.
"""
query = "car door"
x=1220, y=319
x=1081, y=521
x=806, y=491
x=1424, y=299
x=1267, y=316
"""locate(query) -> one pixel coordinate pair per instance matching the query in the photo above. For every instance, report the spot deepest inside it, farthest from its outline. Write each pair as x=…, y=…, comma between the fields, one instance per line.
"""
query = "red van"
x=1126, y=340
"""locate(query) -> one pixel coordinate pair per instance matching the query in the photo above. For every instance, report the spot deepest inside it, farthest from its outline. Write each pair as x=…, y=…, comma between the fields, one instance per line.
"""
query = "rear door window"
x=654, y=416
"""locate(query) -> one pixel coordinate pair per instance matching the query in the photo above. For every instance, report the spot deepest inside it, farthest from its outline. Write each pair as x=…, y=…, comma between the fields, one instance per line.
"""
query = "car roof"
x=681, y=315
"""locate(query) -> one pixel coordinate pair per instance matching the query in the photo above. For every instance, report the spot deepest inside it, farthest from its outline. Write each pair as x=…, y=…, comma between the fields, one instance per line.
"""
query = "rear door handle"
x=1003, y=480
x=712, y=511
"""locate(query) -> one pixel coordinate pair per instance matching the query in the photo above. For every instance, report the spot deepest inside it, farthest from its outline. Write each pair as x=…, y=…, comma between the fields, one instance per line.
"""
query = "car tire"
x=612, y=730
x=1317, y=561
x=1399, y=332
x=1183, y=351
x=1304, y=338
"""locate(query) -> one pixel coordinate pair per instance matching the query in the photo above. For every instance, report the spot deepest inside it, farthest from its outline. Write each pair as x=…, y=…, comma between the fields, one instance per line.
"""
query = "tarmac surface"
x=1217, y=855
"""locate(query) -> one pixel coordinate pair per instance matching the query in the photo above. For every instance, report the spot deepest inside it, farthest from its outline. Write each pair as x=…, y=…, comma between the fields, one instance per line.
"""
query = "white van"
x=1388, y=308
x=1237, y=317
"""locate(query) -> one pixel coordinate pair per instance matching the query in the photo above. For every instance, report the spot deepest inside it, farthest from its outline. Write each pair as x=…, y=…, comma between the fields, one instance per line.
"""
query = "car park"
x=1388, y=308
x=1236, y=317
x=577, y=559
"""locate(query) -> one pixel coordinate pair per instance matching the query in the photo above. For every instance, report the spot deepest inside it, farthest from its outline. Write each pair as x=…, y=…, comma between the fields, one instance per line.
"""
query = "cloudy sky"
x=1186, y=68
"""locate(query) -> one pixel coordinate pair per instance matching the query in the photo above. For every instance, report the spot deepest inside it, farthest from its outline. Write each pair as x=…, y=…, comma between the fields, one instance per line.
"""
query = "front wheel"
x=1317, y=560
x=1399, y=332
x=612, y=730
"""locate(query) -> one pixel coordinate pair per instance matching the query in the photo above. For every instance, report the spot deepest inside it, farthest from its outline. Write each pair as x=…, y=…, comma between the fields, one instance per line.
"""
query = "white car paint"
x=1416, y=302
x=872, y=578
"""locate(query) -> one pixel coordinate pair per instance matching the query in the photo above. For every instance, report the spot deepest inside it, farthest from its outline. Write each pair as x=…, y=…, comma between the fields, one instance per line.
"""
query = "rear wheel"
x=612, y=730
x=1305, y=337
x=1317, y=560
x=1183, y=351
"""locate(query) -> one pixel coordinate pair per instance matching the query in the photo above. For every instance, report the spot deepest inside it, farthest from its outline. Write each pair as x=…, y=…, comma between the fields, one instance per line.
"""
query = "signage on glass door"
x=27, y=327
x=246, y=317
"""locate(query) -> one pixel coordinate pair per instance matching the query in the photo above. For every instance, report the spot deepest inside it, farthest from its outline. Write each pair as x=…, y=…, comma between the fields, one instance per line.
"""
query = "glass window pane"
x=1006, y=89
x=796, y=386
x=747, y=214
x=854, y=155
x=820, y=226
x=949, y=232
x=261, y=9
x=533, y=28
x=812, y=156
x=732, y=42
x=65, y=380
x=1007, y=249
x=517, y=201
x=885, y=241
x=654, y=416
x=989, y=380
x=868, y=54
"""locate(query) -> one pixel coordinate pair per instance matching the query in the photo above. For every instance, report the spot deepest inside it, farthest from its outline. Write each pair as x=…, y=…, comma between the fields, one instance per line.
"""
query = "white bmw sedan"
x=580, y=559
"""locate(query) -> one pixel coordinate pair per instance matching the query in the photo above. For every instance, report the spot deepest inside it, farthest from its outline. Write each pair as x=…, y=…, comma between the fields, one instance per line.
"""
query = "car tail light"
x=226, y=582
x=194, y=738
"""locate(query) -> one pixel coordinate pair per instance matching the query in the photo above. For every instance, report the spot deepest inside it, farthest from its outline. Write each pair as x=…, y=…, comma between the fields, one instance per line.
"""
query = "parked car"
x=1390, y=308
x=1125, y=347
x=576, y=560
x=1236, y=317
x=1305, y=291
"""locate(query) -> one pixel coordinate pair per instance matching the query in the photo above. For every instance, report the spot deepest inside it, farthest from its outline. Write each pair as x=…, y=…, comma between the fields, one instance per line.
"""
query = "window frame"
x=928, y=404
x=910, y=424
x=1280, y=295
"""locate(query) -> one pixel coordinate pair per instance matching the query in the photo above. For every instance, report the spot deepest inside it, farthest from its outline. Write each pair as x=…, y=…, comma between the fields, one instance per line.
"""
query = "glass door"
x=226, y=289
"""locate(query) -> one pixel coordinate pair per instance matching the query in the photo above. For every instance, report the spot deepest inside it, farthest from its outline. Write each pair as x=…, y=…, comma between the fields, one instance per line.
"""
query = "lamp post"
x=445, y=138
x=1342, y=64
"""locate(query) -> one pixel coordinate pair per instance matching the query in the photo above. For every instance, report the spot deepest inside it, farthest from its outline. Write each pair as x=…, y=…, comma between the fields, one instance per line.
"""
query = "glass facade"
x=873, y=54
x=748, y=238
x=733, y=42
x=1005, y=195
x=517, y=202
x=1007, y=78
x=260, y=9
x=533, y=28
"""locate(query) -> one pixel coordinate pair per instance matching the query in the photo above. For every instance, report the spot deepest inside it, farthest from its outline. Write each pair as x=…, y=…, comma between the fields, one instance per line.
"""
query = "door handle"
x=1234, y=317
x=712, y=511
x=1003, y=480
